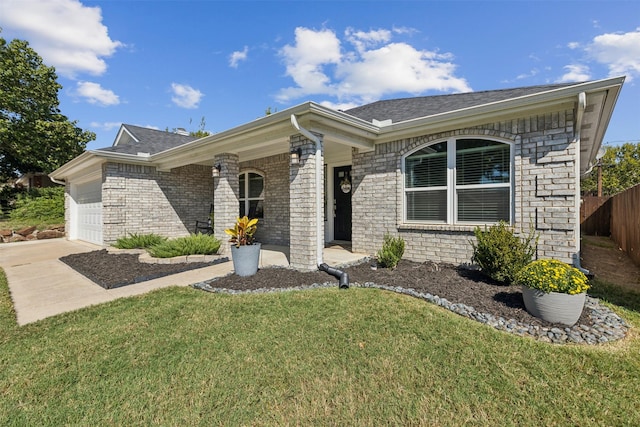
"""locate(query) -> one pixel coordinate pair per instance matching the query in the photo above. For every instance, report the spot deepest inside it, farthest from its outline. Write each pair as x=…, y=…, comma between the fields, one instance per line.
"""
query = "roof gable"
x=136, y=139
x=402, y=109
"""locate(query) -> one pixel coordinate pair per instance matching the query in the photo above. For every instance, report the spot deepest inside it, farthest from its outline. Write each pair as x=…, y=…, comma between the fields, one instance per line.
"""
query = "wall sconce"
x=215, y=170
x=296, y=154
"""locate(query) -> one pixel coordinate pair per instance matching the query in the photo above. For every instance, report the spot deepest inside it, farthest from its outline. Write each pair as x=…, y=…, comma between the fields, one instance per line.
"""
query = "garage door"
x=89, y=203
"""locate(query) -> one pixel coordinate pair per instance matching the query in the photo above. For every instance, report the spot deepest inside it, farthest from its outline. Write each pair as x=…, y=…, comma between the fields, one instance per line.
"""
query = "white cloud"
x=95, y=94
x=575, y=73
x=320, y=64
x=620, y=52
x=573, y=45
x=340, y=105
x=107, y=126
x=237, y=56
x=185, y=96
x=534, y=72
x=65, y=33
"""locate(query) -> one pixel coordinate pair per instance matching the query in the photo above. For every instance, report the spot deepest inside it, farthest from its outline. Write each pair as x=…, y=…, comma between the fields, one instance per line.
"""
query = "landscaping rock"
x=26, y=231
x=6, y=233
x=49, y=234
x=16, y=238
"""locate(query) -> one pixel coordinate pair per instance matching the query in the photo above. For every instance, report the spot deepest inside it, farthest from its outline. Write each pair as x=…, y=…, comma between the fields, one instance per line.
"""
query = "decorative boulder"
x=49, y=234
x=26, y=231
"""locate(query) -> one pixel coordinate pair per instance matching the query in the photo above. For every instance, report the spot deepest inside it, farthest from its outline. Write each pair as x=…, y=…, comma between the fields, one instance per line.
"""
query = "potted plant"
x=245, y=252
x=553, y=291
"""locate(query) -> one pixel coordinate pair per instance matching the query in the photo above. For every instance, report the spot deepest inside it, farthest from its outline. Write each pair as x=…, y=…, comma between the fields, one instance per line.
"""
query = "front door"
x=342, y=203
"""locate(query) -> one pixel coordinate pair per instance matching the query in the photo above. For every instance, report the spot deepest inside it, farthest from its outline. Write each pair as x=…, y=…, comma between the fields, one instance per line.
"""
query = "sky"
x=185, y=64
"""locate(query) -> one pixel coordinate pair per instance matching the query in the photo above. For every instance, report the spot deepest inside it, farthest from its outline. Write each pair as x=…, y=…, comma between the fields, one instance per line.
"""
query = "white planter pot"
x=554, y=307
x=245, y=259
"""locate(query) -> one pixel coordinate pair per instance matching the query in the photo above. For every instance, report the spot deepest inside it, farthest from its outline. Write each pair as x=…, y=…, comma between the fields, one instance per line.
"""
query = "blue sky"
x=168, y=64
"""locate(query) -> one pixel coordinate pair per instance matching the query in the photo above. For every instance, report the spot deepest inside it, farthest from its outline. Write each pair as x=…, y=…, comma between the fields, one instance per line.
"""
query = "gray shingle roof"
x=399, y=110
x=149, y=141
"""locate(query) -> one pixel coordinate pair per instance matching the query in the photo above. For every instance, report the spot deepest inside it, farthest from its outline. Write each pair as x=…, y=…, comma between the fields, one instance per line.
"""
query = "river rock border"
x=607, y=327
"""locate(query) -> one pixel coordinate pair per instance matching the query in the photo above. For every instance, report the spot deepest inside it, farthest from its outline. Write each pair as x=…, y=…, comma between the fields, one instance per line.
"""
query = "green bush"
x=501, y=254
x=39, y=205
x=391, y=252
x=139, y=241
x=196, y=244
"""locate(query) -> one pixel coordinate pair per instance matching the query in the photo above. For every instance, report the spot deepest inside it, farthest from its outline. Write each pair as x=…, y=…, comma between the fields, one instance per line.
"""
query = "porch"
x=333, y=254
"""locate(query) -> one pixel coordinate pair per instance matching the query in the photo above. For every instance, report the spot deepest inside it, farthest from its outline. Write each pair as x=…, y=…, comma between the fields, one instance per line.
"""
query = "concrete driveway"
x=42, y=286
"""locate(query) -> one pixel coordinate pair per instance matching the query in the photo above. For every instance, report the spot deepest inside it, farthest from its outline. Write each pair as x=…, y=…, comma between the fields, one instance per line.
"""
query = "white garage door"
x=89, y=221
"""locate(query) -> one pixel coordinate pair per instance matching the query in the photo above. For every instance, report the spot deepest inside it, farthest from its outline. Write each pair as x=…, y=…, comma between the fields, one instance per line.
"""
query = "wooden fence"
x=595, y=216
x=625, y=221
x=617, y=216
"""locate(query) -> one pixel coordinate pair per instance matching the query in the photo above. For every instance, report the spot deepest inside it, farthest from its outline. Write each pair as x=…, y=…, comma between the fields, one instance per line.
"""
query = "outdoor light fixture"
x=215, y=170
x=296, y=153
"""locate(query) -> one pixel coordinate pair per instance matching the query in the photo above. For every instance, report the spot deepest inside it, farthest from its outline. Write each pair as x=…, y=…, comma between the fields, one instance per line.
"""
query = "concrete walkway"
x=42, y=286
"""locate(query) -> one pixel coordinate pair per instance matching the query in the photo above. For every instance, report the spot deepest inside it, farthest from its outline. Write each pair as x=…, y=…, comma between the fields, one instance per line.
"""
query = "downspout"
x=342, y=276
x=582, y=104
x=319, y=203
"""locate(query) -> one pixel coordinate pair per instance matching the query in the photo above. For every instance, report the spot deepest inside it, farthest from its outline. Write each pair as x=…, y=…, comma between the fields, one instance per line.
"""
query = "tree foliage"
x=34, y=135
x=200, y=133
x=620, y=170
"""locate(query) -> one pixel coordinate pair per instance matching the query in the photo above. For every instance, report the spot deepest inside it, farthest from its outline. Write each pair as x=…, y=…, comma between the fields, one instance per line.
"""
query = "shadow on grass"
x=615, y=294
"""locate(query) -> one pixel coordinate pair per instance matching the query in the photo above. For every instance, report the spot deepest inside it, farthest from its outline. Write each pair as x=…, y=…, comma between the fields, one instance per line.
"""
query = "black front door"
x=342, y=203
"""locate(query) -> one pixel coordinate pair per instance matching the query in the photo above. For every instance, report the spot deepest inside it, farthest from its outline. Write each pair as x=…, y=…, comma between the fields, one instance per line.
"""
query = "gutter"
x=319, y=202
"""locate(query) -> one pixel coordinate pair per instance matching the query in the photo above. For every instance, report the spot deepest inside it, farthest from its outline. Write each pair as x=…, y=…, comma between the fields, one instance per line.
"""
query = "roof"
x=135, y=139
x=401, y=109
x=363, y=127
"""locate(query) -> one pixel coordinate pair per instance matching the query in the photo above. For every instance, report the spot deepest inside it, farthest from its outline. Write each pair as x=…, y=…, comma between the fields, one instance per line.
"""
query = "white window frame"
x=247, y=200
x=452, y=187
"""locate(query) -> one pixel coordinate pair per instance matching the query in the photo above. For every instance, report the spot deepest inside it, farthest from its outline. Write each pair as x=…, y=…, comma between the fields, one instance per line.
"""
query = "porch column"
x=303, y=209
x=225, y=198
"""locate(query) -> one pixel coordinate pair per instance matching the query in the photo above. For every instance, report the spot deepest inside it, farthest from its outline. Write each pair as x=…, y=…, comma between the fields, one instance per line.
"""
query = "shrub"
x=391, y=252
x=196, y=244
x=549, y=275
x=501, y=254
x=139, y=241
x=40, y=205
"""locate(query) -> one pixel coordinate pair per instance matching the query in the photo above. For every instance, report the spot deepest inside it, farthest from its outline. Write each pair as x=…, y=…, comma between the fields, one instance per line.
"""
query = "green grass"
x=179, y=356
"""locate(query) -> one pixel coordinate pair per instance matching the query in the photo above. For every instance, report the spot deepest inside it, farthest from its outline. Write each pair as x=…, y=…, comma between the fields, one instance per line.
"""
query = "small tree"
x=35, y=136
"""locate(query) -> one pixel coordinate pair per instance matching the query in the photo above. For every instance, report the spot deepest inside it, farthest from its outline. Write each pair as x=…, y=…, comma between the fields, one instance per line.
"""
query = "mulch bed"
x=457, y=285
x=116, y=270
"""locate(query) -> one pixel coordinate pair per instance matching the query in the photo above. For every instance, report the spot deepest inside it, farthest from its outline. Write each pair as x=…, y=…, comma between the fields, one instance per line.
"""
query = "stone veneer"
x=544, y=191
x=140, y=199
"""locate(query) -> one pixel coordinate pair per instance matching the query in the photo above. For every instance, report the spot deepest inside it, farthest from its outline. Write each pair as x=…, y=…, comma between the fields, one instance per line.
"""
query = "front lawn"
x=179, y=356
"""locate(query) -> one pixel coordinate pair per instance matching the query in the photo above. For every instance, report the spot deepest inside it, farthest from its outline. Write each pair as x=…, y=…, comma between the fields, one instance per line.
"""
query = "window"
x=458, y=181
x=251, y=195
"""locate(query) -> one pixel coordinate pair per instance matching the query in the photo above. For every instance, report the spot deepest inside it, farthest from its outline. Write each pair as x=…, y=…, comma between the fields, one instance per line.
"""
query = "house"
x=428, y=169
x=34, y=180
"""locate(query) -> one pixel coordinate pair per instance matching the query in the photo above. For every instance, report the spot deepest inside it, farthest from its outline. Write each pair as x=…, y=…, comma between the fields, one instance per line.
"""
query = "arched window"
x=251, y=195
x=460, y=180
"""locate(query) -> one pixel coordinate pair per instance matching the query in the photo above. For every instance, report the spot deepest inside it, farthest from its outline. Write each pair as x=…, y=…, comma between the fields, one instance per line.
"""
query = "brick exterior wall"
x=303, y=207
x=274, y=227
x=226, y=196
x=139, y=199
x=544, y=191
